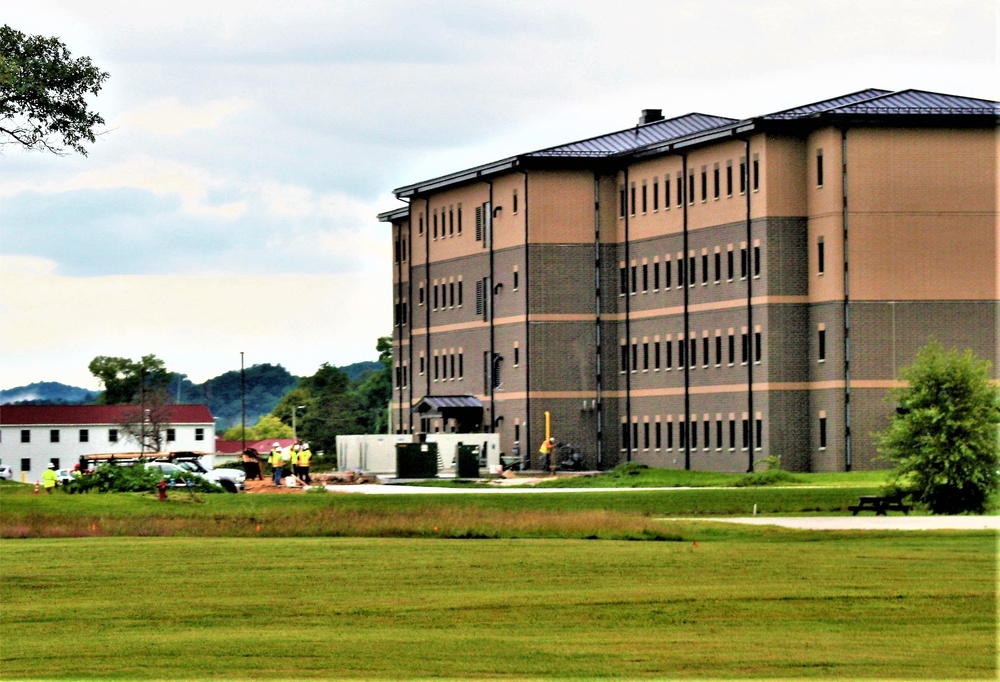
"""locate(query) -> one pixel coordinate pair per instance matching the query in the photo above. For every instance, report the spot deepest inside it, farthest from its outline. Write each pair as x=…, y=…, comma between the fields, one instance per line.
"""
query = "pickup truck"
x=231, y=480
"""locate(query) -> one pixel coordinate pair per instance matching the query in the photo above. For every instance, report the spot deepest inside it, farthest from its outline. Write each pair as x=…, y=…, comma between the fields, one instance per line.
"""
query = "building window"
x=744, y=265
x=694, y=434
x=668, y=347
x=692, y=274
x=84, y=436
x=743, y=175
x=621, y=201
x=746, y=434
x=635, y=356
x=53, y=435
x=460, y=293
x=199, y=433
x=729, y=178
x=437, y=367
x=451, y=294
x=821, y=345
x=517, y=432
x=460, y=218
x=514, y=201
x=420, y=294
x=732, y=349
x=645, y=356
x=760, y=434
x=708, y=432
x=704, y=268
x=624, y=358
x=757, y=347
x=704, y=183
x=732, y=434
x=718, y=349
x=819, y=167
x=681, y=353
x=821, y=256
x=691, y=187
x=656, y=275
x=729, y=265
x=25, y=435
x=718, y=267
x=682, y=435
x=822, y=433
x=517, y=281
x=112, y=435
x=756, y=173
x=715, y=186
x=666, y=191
x=635, y=278
x=624, y=435
x=704, y=351
x=656, y=194
x=645, y=435
x=622, y=281
x=645, y=277
x=451, y=220
x=517, y=355
x=694, y=352
x=658, y=436
x=435, y=224
x=25, y=464
x=656, y=356
x=461, y=364
x=718, y=434
x=670, y=435
x=171, y=435
x=644, y=194
x=421, y=365
x=667, y=276
x=635, y=436
x=420, y=225
x=745, y=350
x=631, y=190
x=680, y=190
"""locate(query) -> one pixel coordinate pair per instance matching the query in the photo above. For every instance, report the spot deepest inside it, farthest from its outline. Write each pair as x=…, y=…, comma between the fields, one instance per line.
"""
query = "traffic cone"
x=36, y=487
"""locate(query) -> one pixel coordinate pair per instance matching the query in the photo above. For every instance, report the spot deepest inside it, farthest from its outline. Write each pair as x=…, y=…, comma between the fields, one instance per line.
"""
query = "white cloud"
x=171, y=117
x=197, y=324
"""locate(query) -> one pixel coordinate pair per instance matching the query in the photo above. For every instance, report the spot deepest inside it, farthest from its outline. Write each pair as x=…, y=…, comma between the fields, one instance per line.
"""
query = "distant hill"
x=47, y=393
x=359, y=368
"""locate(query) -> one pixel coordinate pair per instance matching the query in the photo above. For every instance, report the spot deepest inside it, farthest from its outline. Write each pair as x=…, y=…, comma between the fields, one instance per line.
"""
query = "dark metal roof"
x=826, y=105
x=394, y=215
x=634, y=138
x=439, y=402
x=908, y=102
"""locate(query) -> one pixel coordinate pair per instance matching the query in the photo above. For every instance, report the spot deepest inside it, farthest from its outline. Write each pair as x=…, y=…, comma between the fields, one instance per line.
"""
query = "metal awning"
x=437, y=403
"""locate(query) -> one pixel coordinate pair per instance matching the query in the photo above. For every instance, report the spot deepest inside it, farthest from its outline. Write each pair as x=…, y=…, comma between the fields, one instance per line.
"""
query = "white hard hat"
x=51, y=465
x=305, y=445
x=276, y=444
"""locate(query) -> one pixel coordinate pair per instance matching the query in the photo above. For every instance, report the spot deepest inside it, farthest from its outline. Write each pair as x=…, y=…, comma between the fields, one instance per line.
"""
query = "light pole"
x=295, y=411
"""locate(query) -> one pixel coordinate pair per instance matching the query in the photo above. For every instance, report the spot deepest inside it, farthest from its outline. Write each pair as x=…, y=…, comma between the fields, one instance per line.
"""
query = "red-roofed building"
x=32, y=436
x=235, y=447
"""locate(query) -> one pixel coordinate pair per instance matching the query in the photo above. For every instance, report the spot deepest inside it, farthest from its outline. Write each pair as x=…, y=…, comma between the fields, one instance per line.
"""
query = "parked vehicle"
x=6, y=473
x=231, y=480
x=64, y=476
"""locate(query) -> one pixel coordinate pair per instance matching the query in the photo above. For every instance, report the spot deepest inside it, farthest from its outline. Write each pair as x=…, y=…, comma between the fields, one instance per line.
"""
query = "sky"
x=229, y=205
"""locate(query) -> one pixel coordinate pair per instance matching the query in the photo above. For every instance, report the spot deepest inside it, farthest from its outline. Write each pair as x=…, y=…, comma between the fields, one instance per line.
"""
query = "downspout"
x=685, y=343
x=493, y=352
x=628, y=325
x=427, y=295
x=526, y=456
x=598, y=379
x=750, y=333
x=847, y=308
x=409, y=330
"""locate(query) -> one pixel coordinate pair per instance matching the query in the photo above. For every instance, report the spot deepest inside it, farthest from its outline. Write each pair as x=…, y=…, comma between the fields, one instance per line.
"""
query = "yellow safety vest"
x=49, y=478
x=304, y=457
x=277, y=458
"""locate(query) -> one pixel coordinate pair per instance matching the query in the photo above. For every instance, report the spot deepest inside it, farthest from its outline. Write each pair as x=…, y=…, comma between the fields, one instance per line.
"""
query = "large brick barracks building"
x=701, y=292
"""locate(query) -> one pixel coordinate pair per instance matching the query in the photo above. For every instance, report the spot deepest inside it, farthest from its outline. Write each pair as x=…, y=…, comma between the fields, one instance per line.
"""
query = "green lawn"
x=741, y=603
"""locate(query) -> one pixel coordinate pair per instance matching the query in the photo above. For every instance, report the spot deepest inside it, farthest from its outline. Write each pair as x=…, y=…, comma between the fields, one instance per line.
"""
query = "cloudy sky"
x=230, y=205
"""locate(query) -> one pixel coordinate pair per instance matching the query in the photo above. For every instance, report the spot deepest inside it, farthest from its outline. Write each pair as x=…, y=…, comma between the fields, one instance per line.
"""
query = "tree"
x=125, y=381
x=43, y=94
x=944, y=437
x=146, y=423
x=266, y=428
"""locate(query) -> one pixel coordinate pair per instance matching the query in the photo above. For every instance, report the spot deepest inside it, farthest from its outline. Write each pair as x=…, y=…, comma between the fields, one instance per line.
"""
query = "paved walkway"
x=867, y=522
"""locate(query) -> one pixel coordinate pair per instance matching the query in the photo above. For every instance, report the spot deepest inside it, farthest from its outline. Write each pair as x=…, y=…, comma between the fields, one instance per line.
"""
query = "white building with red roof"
x=32, y=436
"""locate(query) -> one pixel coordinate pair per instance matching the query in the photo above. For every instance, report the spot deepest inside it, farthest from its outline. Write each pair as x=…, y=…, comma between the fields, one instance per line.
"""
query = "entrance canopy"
x=465, y=410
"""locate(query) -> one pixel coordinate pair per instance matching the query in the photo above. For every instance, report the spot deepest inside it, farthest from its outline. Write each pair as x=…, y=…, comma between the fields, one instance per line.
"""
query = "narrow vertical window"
x=743, y=175
x=460, y=218
x=746, y=434
x=707, y=426
x=668, y=360
x=623, y=280
x=635, y=356
x=718, y=267
x=621, y=201
x=704, y=268
x=693, y=344
x=624, y=435
x=514, y=201
x=635, y=278
x=822, y=433
x=645, y=277
x=729, y=178
x=667, y=275
x=756, y=260
x=666, y=191
x=656, y=355
x=435, y=224
x=704, y=183
x=656, y=194
x=821, y=345
x=645, y=355
x=658, y=433
x=632, y=198
x=718, y=434
x=718, y=349
x=729, y=265
x=821, y=256
x=756, y=173
x=745, y=350
x=704, y=351
x=819, y=167
x=732, y=434
x=715, y=185
x=694, y=434
x=680, y=189
x=656, y=275
x=645, y=435
x=759, y=438
x=744, y=266
x=691, y=187
x=757, y=352
x=644, y=197
x=670, y=435
x=692, y=274
x=635, y=435
x=624, y=358
x=732, y=349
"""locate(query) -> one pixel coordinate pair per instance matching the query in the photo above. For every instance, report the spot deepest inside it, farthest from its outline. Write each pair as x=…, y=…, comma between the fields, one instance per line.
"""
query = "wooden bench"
x=880, y=505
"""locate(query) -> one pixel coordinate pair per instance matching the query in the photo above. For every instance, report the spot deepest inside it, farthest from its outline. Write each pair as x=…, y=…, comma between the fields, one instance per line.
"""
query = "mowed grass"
x=741, y=603
x=607, y=514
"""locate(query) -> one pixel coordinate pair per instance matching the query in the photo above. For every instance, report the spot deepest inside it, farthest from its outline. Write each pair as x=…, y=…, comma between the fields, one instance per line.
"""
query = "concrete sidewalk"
x=864, y=522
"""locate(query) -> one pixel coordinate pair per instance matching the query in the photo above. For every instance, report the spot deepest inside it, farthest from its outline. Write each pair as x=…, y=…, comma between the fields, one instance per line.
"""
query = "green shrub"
x=113, y=478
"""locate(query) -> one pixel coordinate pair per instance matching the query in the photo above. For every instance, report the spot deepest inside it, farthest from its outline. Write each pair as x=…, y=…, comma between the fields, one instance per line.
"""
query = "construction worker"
x=277, y=461
x=49, y=478
x=293, y=454
x=548, y=445
x=305, y=455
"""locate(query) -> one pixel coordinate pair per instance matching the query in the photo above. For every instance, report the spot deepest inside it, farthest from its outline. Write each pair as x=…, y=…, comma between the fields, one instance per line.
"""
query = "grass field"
x=483, y=586
x=741, y=604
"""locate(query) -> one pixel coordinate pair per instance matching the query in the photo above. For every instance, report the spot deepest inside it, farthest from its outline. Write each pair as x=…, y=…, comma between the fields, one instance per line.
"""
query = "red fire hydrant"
x=162, y=487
